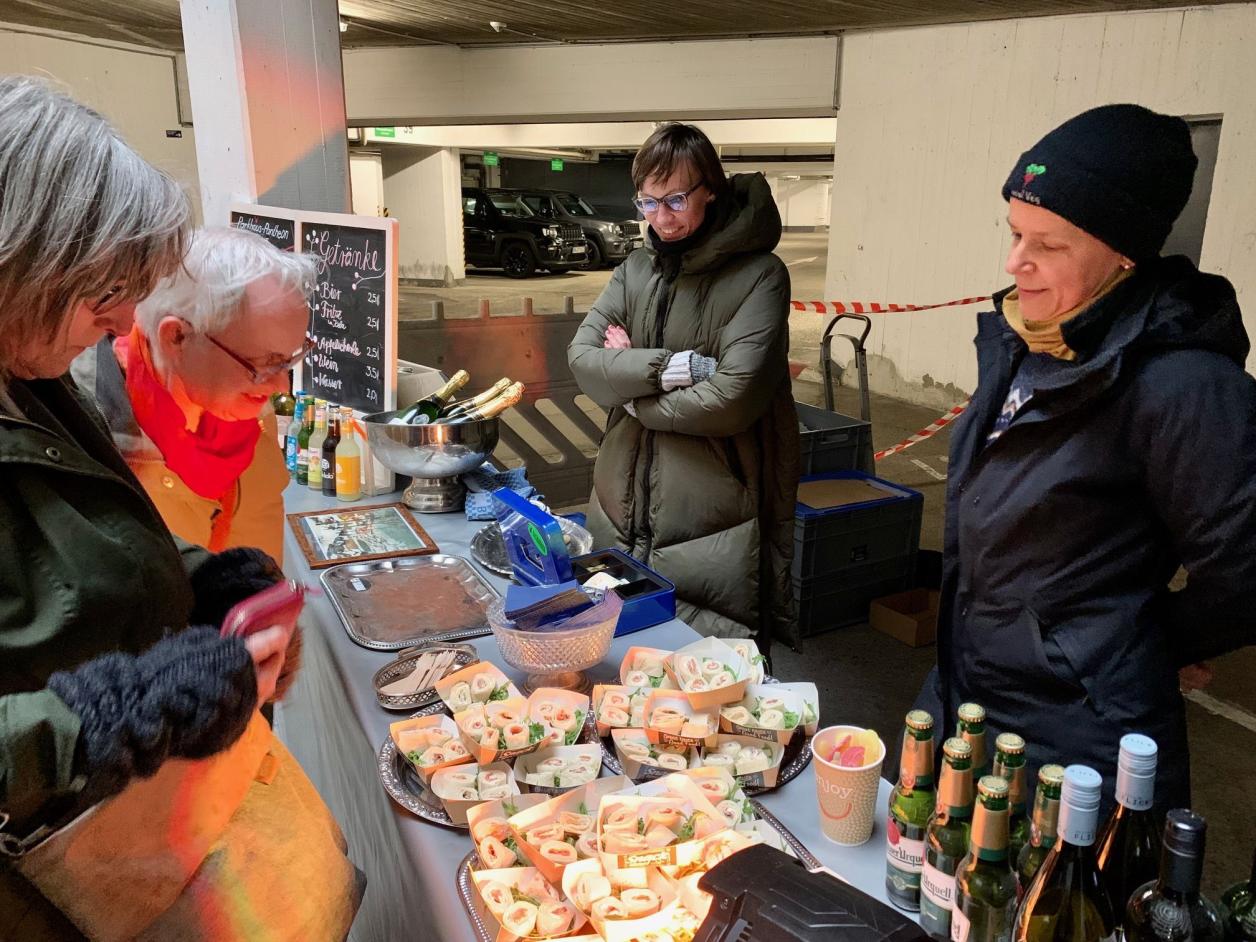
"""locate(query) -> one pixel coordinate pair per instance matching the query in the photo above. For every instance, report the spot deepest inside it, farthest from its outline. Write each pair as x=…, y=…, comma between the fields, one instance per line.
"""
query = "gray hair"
x=207, y=290
x=80, y=212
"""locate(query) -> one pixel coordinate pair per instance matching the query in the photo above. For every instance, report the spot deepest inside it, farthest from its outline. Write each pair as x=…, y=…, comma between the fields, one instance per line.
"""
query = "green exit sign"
x=385, y=132
x=491, y=159
x=556, y=164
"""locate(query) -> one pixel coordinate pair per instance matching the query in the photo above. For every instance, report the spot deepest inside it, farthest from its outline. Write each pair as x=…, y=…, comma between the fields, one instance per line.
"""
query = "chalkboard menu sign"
x=279, y=232
x=350, y=310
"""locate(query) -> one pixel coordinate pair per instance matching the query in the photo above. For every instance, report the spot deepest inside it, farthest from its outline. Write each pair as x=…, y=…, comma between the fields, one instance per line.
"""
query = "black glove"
x=188, y=696
x=227, y=578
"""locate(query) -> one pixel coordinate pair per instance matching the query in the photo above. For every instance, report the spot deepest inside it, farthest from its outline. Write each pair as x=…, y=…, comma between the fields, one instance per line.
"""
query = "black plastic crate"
x=838, y=599
x=831, y=441
x=827, y=541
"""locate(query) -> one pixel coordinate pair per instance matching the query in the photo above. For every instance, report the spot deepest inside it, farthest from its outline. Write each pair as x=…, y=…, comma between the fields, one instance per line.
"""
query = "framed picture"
x=381, y=531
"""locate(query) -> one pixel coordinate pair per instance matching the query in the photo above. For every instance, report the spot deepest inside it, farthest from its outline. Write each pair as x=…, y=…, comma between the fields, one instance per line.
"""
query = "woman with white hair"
x=141, y=794
x=187, y=392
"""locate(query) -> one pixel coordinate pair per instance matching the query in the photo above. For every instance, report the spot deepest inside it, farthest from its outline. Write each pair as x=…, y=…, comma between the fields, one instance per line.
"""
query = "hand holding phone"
x=280, y=605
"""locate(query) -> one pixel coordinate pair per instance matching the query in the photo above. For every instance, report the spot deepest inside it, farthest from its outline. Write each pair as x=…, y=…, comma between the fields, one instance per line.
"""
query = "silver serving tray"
x=464, y=656
x=489, y=549
x=366, y=617
x=406, y=787
x=466, y=886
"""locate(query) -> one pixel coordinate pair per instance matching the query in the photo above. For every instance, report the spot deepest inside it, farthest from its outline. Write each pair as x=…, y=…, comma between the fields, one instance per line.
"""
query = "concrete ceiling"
x=466, y=22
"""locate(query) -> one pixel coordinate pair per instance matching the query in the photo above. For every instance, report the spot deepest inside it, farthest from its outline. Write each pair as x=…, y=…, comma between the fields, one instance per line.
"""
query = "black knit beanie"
x=1122, y=173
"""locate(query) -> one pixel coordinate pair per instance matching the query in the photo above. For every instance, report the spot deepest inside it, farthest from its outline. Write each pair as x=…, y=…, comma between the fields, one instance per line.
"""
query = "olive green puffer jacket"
x=700, y=485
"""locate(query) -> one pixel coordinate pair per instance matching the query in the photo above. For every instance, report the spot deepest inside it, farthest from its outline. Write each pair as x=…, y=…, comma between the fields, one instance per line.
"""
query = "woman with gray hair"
x=130, y=742
x=187, y=392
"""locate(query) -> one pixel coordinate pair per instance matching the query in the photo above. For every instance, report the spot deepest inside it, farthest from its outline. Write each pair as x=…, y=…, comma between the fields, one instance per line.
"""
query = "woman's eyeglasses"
x=676, y=202
x=264, y=374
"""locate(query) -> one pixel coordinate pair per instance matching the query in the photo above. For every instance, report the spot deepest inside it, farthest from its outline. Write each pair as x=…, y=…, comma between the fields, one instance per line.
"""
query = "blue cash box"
x=538, y=556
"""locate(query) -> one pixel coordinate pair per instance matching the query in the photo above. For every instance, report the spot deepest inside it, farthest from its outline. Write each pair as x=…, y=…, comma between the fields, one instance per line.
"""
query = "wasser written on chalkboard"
x=347, y=310
x=281, y=233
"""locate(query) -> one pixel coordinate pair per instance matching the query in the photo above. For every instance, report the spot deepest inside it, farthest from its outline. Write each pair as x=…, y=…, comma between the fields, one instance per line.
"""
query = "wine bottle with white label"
x=1067, y=901
x=1128, y=848
x=985, y=887
x=911, y=805
x=946, y=840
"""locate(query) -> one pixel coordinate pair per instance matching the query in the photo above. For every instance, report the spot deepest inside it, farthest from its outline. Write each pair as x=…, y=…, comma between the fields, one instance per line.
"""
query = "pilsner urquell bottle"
x=946, y=841
x=1239, y=903
x=1009, y=764
x=1128, y=849
x=911, y=804
x=1043, y=827
x=985, y=887
x=1171, y=908
x=972, y=729
x=1067, y=901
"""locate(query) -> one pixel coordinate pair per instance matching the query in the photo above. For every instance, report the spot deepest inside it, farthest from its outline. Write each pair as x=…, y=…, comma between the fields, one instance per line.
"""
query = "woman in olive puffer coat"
x=687, y=347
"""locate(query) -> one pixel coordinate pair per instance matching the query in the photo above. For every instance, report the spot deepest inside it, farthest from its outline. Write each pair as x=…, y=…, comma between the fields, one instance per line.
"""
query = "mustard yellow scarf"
x=1046, y=336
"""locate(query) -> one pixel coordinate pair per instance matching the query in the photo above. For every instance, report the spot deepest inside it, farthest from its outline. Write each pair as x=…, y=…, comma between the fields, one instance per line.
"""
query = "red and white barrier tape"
x=927, y=432
x=876, y=307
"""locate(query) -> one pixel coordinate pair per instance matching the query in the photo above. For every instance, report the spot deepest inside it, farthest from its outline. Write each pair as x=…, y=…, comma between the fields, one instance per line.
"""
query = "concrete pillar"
x=267, y=104
x=423, y=189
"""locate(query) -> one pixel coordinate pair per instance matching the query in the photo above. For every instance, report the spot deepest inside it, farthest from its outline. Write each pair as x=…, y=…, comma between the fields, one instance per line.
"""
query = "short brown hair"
x=674, y=145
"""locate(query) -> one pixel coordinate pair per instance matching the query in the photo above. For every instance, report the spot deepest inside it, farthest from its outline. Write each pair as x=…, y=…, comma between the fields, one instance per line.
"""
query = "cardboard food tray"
x=765, y=779
x=503, y=808
x=447, y=683
x=699, y=718
x=457, y=808
x=634, y=768
x=399, y=730
x=589, y=796
x=810, y=694
x=485, y=754
x=625, y=930
x=511, y=877
x=577, y=703
x=718, y=650
x=625, y=666
x=526, y=765
x=599, y=693
x=680, y=854
x=755, y=692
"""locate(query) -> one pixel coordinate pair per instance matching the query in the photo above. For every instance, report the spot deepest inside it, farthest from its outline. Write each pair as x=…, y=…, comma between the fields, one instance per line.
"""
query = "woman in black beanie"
x=1111, y=440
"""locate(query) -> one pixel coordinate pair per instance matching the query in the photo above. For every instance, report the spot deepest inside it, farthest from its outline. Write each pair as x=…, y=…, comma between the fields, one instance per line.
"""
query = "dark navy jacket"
x=1063, y=534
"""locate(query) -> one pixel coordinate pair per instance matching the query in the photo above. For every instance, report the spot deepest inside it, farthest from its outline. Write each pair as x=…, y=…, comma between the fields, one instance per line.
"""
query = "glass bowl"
x=552, y=658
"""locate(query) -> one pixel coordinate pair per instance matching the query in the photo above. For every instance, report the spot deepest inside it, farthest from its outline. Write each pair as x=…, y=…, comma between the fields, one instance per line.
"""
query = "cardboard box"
x=911, y=617
x=512, y=878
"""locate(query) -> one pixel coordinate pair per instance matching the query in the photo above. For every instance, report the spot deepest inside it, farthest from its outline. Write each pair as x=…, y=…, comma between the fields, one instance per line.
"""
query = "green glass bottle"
x=1239, y=905
x=1042, y=828
x=285, y=406
x=911, y=804
x=1067, y=901
x=1128, y=846
x=429, y=408
x=946, y=840
x=303, y=443
x=985, y=887
x=972, y=729
x=1170, y=908
x=1009, y=764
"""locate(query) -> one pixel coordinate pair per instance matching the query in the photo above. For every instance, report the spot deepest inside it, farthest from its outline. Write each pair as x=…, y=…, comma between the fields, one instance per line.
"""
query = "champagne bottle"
x=911, y=804
x=1067, y=902
x=456, y=409
x=303, y=443
x=985, y=887
x=1009, y=764
x=291, y=448
x=314, y=475
x=1128, y=849
x=1171, y=908
x=509, y=398
x=946, y=839
x=348, y=460
x=1239, y=903
x=428, y=408
x=1043, y=827
x=327, y=454
x=972, y=729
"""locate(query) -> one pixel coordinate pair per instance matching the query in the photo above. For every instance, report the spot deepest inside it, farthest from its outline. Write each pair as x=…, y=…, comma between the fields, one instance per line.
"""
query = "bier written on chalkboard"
x=348, y=311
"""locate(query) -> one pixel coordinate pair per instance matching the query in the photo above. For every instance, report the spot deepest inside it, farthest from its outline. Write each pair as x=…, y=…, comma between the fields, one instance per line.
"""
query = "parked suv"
x=500, y=231
x=610, y=240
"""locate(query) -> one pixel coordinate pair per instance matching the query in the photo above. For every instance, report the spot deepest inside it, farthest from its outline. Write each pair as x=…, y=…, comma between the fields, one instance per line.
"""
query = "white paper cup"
x=847, y=796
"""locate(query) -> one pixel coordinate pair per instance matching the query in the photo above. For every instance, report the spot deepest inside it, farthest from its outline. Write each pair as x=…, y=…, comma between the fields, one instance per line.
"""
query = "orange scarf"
x=209, y=460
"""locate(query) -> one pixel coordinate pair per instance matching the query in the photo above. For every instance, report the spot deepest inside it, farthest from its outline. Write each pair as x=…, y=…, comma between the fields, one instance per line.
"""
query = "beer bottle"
x=911, y=804
x=946, y=840
x=985, y=887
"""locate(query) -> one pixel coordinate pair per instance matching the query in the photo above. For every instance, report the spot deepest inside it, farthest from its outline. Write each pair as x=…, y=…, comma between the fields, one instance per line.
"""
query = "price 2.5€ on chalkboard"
x=347, y=315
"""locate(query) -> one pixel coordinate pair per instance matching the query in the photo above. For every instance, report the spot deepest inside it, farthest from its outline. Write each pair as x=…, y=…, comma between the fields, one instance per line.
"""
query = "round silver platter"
x=797, y=757
x=489, y=549
x=464, y=656
x=406, y=787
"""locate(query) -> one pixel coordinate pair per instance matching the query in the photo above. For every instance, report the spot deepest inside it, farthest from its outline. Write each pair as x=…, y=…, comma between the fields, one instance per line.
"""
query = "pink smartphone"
x=278, y=605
